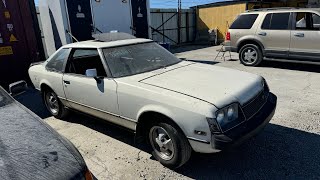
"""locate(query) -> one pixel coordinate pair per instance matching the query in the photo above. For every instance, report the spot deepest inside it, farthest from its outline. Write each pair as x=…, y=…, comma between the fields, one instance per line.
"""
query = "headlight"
x=227, y=116
x=231, y=112
x=220, y=116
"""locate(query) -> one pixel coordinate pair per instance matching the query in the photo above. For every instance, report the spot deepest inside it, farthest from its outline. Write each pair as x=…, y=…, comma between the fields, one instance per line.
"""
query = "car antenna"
x=71, y=35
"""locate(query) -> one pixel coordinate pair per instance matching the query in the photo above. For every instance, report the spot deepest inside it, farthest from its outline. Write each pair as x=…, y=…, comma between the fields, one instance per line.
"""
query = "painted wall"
x=218, y=17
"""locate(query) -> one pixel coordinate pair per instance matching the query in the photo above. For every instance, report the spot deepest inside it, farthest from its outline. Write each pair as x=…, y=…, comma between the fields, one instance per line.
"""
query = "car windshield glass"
x=138, y=58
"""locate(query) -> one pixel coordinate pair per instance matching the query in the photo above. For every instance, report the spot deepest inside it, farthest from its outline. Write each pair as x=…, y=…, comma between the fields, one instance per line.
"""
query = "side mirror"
x=91, y=73
x=18, y=88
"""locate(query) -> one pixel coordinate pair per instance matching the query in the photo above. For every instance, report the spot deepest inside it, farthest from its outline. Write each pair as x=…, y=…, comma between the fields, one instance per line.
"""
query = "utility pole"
x=179, y=21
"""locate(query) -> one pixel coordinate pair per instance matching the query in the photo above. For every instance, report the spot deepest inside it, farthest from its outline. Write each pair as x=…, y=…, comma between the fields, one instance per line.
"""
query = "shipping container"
x=20, y=40
x=67, y=21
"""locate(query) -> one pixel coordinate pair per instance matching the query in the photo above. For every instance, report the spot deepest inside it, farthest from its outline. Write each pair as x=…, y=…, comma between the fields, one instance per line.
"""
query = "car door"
x=305, y=37
x=274, y=33
x=86, y=94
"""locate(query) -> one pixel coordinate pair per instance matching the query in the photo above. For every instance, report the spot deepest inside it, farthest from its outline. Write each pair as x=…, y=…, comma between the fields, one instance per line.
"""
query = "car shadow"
x=203, y=62
x=277, y=152
x=291, y=66
x=117, y=132
x=33, y=101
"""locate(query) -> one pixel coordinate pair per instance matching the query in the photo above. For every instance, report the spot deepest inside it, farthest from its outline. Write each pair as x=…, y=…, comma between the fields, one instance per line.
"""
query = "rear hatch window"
x=244, y=21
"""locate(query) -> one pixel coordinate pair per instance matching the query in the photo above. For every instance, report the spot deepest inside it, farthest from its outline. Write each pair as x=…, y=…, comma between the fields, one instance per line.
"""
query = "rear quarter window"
x=244, y=21
x=56, y=63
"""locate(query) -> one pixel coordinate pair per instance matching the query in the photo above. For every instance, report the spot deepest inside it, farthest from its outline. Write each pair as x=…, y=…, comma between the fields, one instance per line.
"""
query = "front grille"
x=253, y=106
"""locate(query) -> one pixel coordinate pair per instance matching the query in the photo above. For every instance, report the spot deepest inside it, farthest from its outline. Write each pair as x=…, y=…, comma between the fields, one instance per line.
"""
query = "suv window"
x=57, y=61
x=83, y=59
x=244, y=21
x=307, y=21
x=276, y=21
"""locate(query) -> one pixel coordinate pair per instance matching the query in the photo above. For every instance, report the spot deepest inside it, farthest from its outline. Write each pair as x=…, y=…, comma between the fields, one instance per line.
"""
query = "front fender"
x=188, y=121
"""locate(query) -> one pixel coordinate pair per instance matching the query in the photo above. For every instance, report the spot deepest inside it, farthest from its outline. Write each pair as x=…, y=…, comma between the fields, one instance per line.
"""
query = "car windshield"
x=138, y=58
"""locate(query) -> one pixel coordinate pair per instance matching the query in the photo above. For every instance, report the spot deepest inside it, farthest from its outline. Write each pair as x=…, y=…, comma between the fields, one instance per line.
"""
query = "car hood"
x=216, y=85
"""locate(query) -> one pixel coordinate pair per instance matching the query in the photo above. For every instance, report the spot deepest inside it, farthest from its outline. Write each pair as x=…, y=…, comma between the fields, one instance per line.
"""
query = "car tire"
x=54, y=105
x=172, y=155
x=250, y=55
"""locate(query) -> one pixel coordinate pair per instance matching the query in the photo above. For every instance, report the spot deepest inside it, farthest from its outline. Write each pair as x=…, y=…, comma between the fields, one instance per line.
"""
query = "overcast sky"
x=174, y=3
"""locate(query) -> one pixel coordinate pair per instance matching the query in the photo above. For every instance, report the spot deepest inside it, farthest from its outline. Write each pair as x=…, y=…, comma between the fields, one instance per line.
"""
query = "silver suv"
x=276, y=34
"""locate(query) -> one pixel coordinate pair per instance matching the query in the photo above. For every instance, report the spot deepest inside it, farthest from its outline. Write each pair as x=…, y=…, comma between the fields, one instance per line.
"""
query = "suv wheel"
x=170, y=147
x=250, y=55
x=54, y=105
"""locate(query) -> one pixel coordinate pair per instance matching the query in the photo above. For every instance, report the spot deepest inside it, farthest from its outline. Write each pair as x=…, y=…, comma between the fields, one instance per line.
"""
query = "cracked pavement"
x=288, y=148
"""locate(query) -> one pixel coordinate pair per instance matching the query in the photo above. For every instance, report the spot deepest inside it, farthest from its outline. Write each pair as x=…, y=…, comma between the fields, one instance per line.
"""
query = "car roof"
x=283, y=9
x=100, y=44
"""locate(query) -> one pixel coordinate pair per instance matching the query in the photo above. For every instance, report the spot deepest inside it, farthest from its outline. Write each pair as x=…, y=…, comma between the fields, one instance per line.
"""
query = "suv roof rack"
x=271, y=9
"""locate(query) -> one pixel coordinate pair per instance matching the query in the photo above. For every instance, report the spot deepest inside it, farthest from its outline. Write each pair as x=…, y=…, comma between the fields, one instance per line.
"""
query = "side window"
x=244, y=21
x=301, y=21
x=276, y=21
x=56, y=63
x=266, y=22
x=307, y=21
x=83, y=59
x=316, y=21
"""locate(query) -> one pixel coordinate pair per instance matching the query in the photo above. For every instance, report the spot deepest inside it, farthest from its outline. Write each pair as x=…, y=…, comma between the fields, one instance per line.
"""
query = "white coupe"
x=175, y=106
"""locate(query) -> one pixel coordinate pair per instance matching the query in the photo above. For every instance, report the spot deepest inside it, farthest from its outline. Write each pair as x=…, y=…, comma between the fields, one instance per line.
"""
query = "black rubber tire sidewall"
x=259, y=53
x=181, y=146
x=62, y=112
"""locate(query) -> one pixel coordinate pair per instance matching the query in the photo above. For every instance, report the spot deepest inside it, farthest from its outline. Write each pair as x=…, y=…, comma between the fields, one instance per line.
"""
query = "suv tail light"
x=228, y=37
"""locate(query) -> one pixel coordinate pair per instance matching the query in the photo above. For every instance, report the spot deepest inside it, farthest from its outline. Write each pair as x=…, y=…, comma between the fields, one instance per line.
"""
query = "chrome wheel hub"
x=52, y=103
x=161, y=143
x=250, y=55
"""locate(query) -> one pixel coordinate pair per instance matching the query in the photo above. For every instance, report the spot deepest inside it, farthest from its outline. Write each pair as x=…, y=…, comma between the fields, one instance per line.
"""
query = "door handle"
x=262, y=33
x=66, y=82
x=299, y=34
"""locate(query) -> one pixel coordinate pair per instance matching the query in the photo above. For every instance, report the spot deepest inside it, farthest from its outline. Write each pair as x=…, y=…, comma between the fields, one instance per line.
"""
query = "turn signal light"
x=88, y=175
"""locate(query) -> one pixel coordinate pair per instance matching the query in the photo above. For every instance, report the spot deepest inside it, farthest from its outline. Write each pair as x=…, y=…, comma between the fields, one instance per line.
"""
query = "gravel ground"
x=288, y=148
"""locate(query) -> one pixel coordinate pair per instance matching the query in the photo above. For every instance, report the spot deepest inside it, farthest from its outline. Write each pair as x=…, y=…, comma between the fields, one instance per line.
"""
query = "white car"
x=176, y=106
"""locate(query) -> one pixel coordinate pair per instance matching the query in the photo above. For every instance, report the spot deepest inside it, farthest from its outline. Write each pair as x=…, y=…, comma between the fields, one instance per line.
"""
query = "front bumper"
x=240, y=133
x=248, y=128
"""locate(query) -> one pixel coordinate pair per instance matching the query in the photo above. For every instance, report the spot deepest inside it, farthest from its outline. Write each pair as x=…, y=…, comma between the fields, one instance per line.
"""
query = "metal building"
x=82, y=18
x=20, y=40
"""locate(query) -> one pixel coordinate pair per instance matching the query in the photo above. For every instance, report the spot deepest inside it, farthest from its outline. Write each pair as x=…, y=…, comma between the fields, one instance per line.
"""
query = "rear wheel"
x=250, y=55
x=170, y=146
x=54, y=105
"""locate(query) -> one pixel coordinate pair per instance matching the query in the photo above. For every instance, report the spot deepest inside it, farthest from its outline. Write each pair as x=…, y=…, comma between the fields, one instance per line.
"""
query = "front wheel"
x=170, y=146
x=54, y=105
x=250, y=55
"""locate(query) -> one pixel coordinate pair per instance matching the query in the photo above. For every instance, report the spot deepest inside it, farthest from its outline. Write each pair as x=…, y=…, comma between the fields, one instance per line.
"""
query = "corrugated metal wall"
x=166, y=22
x=218, y=17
